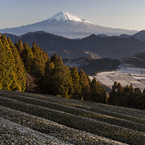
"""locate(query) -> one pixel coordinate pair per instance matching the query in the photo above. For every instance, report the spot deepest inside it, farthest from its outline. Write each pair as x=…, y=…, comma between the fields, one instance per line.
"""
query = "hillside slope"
x=137, y=60
x=67, y=121
x=110, y=47
x=93, y=66
x=140, y=35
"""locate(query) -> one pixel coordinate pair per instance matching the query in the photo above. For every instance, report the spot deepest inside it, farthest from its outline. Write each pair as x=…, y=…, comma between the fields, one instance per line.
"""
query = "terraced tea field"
x=27, y=118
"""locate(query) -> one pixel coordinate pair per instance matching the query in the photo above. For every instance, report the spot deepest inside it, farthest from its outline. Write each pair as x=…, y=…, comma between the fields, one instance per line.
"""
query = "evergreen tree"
x=34, y=44
x=143, y=99
x=119, y=98
x=19, y=67
x=60, y=62
x=16, y=44
x=39, y=60
x=61, y=82
x=9, y=77
x=47, y=81
x=85, y=87
x=48, y=68
x=88, y=78
x=113, y=94
x=20, y=47
x=125, y=96
x=76, y=83
x=4, y=41
x=27, y=57
x=98, y=93
x=54, y=58
x=130, y=99
x=137, y=98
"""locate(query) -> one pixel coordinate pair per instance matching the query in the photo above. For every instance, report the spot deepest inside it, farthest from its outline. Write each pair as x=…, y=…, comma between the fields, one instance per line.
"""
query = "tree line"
x=127, y=96
x=12, y=70
x=52, y=76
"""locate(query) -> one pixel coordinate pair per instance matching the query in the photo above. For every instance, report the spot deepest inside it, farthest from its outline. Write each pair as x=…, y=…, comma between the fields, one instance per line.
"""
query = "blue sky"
x=127, y=14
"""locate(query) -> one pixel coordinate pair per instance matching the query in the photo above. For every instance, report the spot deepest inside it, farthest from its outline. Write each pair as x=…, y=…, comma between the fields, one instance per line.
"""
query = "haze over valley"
x=94, y=46
x=79, y=41
x=72, y=72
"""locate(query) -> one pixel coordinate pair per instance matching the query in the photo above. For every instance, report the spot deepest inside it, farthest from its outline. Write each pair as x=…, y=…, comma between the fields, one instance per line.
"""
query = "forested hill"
x=12, y=71
x=54, y=78
x=137, y=60
x=110, y=47
x=51, y=76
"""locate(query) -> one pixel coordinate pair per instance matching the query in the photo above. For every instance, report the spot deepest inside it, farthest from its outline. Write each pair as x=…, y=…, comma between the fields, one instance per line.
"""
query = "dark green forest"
x=12, y=70
x=127, y=96
x=54, y=78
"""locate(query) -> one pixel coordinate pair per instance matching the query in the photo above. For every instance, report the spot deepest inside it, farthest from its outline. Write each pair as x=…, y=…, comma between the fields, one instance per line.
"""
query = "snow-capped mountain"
x=66, y=25
x=64, y=16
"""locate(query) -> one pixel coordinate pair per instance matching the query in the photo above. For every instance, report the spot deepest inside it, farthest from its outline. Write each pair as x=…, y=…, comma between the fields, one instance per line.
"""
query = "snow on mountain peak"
x=65, y=17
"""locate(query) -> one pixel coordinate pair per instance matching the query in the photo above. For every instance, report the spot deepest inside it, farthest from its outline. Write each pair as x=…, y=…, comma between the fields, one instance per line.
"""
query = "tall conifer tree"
x=88, y=78
x=119, y=98
x=27, y=56
x=7, y=67
x=130, y=99
x=113, y=94
x=20, y=47
x=19, y=67
x=98, y=93
x=62, y=81
x=143, y=99
x=39, y=60
x=47, y=81
x=76, y=83
x=54, y=58
x=85, y=87
x=137, y=98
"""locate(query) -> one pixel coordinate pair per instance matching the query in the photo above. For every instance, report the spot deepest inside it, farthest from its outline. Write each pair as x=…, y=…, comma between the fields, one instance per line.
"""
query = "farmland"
x=126, y=74
x=27, y=118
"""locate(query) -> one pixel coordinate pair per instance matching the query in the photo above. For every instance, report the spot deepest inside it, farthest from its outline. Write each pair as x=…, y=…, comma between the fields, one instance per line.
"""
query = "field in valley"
x=27, y=118
x=125, y=75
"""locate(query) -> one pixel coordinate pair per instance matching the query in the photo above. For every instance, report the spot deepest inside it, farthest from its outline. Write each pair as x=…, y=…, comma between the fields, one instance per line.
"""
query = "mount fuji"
x=67, y=25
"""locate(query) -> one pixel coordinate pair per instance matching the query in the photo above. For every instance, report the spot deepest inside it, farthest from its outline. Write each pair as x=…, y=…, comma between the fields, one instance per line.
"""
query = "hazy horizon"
x=127, y=14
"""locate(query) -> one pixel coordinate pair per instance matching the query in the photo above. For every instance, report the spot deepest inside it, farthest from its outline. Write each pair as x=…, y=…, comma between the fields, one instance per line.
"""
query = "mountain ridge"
x=67, y=25
x=97, y=46
x=140, y=35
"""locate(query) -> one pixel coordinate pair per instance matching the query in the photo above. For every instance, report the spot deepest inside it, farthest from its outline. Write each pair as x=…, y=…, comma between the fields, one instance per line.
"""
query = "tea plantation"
x=27, y=118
